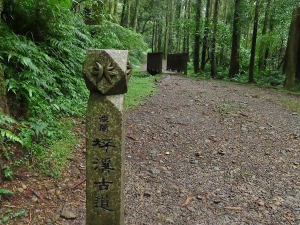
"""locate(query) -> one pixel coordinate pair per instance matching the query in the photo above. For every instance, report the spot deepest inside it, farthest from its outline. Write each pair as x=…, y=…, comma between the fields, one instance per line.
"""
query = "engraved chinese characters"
x=108, y=72
x=105, y=159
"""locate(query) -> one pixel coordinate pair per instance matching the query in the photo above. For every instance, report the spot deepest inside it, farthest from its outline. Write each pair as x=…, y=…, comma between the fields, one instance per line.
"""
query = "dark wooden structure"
x=154, y=62
x=177, y=62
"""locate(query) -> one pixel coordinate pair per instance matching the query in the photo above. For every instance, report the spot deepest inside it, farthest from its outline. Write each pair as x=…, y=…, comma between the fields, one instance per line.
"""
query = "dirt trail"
x=208, y=152
x=197, y=152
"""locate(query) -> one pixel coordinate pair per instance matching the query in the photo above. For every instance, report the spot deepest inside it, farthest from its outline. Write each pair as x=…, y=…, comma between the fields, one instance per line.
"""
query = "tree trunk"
x=262, y=51
x=213, y=50
x=297, y=75
x=185, y=26
x=153, y=36
x=206, y=30
x=197, y=37
x=290, y=61
x=110, y=8
x=170, y=44
x=178, y=26
x=225, y=11
x=188, y=31
x=3, y=99
x=253, y=48
x=115, y=9
x=128, y=14
x=134, y=24
x=166, y=41
x=159, y=36
x=234, y=61
x=271, y=27
x=123, y=16
x=156, y=36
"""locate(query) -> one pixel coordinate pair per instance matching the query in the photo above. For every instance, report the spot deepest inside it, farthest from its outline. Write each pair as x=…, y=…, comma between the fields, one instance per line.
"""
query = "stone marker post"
x=106, y=73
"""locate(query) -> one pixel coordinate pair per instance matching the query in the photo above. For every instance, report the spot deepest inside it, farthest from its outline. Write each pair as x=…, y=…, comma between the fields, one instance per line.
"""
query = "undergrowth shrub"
x=42, y=67
x=111, y=35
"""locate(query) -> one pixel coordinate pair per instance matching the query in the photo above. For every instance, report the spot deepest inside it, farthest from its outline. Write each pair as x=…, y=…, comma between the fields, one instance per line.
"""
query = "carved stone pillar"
x=106, y=73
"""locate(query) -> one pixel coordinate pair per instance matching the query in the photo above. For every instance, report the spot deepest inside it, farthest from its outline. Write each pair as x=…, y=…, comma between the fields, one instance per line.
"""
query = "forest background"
x=43, y=44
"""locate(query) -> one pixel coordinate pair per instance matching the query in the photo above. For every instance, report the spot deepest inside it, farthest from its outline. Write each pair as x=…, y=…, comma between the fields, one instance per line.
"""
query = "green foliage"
x=53, y=160
x=8, y=173
x=4, y=219
x=7, y=125
x=5, y=191
x=293, y=105
x=112, y=36
x=18, y=214
x=9, y=214
x=42, y=66
x=36, y=16
x=10, y=136
x=141, y=85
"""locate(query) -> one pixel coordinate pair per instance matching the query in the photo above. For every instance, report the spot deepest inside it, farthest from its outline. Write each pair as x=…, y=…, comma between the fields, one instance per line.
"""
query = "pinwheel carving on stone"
x=103, y=74
x=129, y=70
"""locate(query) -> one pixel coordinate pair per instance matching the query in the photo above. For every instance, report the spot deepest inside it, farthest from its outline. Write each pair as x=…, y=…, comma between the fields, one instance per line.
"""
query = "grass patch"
x=54, y=159
x=141, y=85
x=291, y=105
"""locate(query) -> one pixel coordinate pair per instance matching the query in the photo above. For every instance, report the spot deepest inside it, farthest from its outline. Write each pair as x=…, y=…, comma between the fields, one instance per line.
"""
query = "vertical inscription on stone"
x=105, y=156
x=105, y=136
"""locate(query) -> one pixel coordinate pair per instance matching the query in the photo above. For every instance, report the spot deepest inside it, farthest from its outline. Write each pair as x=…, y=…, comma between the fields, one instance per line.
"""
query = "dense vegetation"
x=42, y=47
x=239, y=40
x=43, y=43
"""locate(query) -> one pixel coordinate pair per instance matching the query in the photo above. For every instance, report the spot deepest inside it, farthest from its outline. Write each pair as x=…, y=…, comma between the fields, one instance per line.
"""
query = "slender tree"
x=206, y=31
x=128, y=14
x=297, y=75
x=225, y=7
x=267, y=52
x=253, y=48
x=123, y=15
x=110, y=8
x=170, y=44
x=290, y=59
x=234, y=61
x=135, y=16
x=197, y=37
x=213, y=50
x=159, y=37
x=166, y=41
x=178, y=31
x=3, y=98
x=156, y=34
x=188, y=29
x=115, y=9
x=153, y=36
x=262, y=49
x=185, y=27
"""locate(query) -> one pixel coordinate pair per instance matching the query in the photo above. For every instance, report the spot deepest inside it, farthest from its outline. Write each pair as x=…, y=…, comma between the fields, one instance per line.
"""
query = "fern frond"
x=5, y=191
x=10, y=136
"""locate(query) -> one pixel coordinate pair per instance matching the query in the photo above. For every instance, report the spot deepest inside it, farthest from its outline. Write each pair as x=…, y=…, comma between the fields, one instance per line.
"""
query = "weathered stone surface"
x=105, y=159
x=68, y=214
x=106, y=71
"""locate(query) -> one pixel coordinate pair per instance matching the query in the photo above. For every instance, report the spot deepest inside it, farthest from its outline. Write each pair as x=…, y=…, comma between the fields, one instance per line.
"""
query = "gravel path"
x=197, y=152
x=209, y=152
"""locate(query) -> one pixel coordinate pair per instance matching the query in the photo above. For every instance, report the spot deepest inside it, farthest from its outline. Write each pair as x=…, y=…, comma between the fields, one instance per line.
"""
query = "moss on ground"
x=141, y=85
